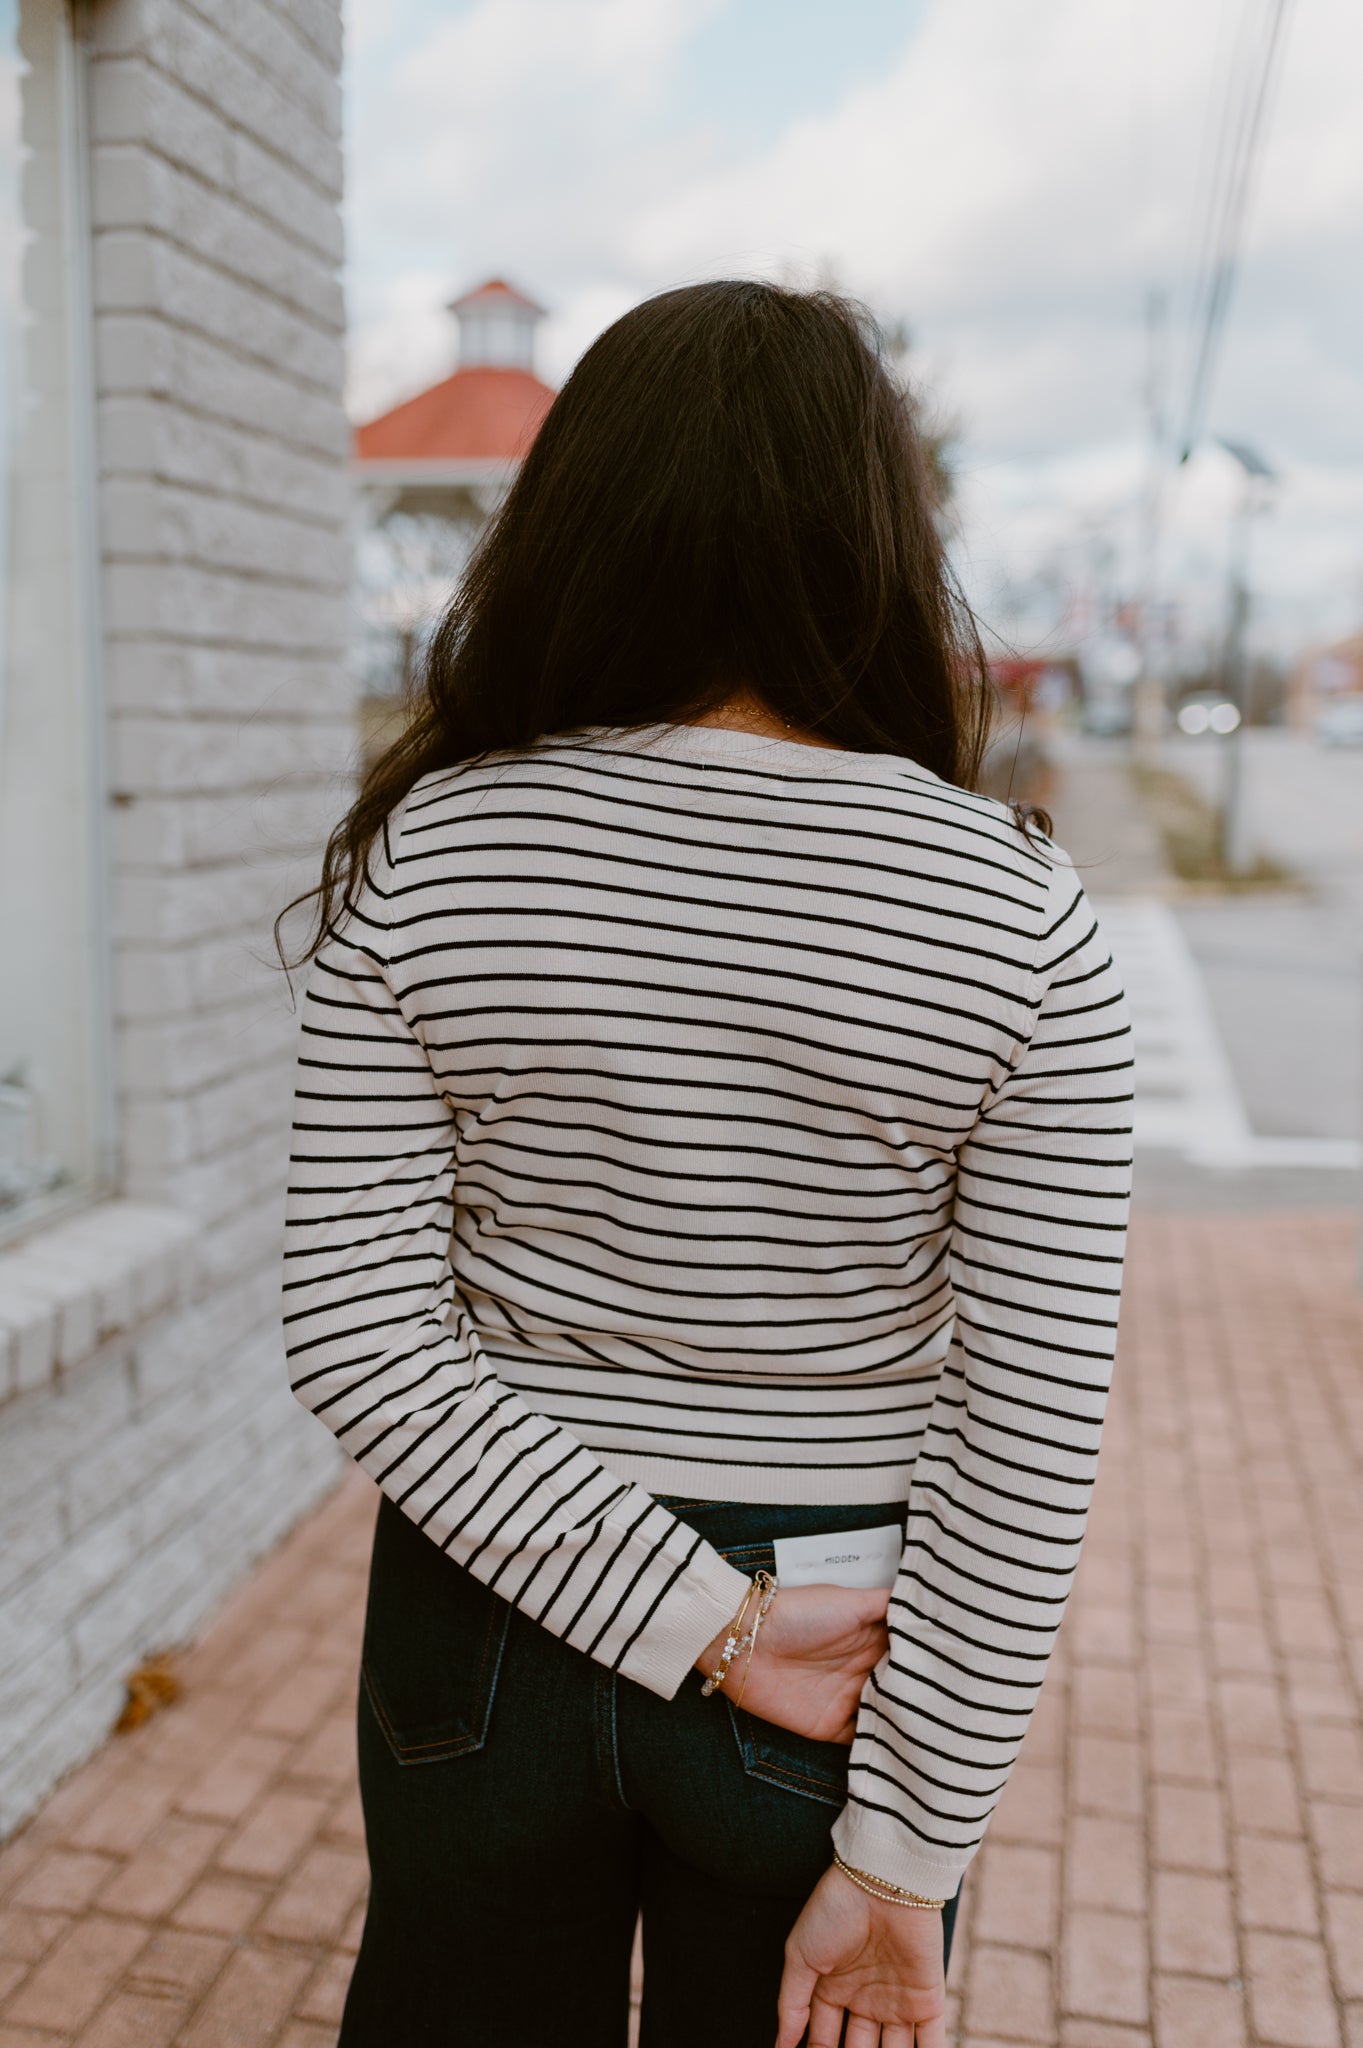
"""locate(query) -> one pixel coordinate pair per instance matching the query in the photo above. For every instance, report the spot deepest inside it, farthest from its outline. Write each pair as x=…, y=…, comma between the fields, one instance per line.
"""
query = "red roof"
x=478, y=414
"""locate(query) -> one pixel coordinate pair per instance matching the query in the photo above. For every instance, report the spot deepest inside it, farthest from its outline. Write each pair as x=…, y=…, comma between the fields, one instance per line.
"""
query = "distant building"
x=1031, y=695
x=431, y=471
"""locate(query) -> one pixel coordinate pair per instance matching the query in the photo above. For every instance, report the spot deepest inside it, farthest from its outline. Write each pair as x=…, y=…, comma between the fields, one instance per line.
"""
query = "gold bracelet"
x=882, y=1889
x=768, y=1587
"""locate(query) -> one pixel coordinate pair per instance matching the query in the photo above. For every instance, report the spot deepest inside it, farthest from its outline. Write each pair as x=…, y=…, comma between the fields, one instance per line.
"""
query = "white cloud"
x=506, y=139
x=1011, y=185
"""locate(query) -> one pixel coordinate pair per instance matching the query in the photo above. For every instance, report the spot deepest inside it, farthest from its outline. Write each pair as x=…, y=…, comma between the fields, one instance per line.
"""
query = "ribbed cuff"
x=708, y=1594
x=870, y=1842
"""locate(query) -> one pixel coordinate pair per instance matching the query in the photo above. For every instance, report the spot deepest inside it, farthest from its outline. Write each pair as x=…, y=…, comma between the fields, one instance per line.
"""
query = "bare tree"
x=939, y=431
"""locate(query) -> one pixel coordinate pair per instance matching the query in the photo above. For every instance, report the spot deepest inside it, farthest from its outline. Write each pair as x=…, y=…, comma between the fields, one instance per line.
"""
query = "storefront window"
x=50, y=1005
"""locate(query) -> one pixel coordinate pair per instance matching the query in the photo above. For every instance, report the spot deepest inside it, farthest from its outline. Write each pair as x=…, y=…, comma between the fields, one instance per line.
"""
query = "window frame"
x=72, y=35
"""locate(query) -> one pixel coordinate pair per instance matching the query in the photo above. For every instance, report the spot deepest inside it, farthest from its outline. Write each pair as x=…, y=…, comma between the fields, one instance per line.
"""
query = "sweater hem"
x=777, y=1485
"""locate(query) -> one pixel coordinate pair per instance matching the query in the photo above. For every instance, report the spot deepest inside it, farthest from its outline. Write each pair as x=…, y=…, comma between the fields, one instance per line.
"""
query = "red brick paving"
x=1177, y=1863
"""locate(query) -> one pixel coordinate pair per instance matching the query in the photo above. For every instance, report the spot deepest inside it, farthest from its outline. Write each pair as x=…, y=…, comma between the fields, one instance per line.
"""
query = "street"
x=1284, y=972
x=1248, y=1008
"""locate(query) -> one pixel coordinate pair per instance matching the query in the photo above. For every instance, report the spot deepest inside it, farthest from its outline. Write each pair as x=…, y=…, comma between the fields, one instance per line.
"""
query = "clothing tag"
x=849, y=1557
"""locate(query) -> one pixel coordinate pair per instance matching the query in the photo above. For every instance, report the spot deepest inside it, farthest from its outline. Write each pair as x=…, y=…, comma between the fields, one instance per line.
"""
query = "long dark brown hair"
x=728, y=497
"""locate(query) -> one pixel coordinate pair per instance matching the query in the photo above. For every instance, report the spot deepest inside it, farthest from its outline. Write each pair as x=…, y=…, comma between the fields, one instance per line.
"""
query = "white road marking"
x=1187, y=1099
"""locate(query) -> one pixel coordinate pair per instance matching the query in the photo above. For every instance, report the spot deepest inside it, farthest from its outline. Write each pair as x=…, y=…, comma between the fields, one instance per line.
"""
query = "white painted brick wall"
x=149, y=1448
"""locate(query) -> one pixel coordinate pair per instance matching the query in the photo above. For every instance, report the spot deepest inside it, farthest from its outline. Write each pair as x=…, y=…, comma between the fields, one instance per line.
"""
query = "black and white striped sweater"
x=685, y=1112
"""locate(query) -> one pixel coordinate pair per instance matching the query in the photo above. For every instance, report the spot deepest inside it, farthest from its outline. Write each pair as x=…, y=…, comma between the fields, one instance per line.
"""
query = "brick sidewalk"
x=1178, y=1860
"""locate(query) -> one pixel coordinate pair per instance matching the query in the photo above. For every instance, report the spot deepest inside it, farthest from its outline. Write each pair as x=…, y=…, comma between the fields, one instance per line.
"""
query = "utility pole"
x=1148, y=696
x=1258, y=477
x=1235, y=852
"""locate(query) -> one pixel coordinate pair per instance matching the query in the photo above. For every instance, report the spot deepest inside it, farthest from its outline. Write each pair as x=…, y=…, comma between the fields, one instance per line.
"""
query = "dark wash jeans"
x=523, y=1806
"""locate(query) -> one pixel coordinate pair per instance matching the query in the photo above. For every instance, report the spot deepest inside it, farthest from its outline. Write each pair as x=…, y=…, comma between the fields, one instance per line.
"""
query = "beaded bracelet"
x=731, y=1643
x=881, y=1888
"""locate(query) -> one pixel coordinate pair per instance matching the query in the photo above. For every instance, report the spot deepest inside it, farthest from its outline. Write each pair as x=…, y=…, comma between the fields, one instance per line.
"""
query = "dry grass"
x=1190, y=830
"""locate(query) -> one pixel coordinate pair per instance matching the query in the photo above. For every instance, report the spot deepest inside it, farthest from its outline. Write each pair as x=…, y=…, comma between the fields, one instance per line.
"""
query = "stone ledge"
x=72, y=1285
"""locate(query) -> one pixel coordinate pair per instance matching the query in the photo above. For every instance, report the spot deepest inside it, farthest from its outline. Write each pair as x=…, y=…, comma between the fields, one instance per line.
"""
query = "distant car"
x=1341, y=724
x=1207, y=712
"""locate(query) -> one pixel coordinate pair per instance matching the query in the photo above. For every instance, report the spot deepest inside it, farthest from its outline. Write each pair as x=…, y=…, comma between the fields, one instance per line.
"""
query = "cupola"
x=496, y=327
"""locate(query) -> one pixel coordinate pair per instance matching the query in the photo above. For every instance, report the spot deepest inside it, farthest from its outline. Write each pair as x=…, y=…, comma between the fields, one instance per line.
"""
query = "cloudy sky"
x=1010, y=177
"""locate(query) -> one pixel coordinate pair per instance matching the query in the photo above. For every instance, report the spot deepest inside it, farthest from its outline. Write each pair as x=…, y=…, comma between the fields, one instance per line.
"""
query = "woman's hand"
x=881, y=1965
x=810, y=1660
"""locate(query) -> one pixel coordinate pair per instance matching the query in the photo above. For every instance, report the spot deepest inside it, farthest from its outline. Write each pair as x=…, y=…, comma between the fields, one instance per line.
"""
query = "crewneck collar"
x=724, y=745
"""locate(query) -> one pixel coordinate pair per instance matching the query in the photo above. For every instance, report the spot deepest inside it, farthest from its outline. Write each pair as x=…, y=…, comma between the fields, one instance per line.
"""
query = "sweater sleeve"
x=1003, y=1480
x=382, y=1349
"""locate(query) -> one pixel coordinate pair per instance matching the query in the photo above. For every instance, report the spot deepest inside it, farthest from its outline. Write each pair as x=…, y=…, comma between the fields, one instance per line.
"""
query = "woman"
x=712, y=1129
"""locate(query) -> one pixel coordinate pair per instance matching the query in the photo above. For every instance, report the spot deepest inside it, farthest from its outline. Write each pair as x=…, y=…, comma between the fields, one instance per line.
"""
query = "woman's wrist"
x=881, y=1888
x=869, y=1841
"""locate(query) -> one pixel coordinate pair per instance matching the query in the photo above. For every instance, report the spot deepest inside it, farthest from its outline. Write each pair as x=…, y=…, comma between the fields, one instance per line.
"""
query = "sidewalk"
x=1178, y=1860
x=1102, y=823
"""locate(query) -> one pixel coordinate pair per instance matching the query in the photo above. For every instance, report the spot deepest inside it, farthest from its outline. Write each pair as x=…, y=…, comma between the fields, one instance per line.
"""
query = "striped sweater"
x=681, y=1111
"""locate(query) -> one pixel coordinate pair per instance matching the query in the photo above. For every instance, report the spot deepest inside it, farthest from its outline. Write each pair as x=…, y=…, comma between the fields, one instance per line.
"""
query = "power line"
x=1230, y=59
x=1243, y=127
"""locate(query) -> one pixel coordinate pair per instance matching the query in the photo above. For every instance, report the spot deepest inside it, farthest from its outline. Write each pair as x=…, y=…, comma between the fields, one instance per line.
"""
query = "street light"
x=1259, y=478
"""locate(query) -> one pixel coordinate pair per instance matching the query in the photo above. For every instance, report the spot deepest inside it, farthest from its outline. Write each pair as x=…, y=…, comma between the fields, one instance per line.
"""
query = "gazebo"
x=452, y=450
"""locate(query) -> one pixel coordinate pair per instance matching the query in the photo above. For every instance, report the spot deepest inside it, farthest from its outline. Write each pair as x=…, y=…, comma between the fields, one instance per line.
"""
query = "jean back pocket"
x=778, y=1756
x=433, y=1643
